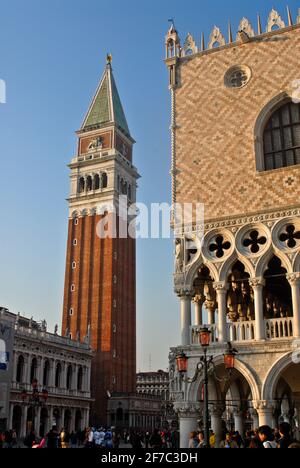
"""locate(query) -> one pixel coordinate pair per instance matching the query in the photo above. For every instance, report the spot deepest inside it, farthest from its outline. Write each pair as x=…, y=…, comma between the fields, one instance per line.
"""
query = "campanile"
x=100, y=278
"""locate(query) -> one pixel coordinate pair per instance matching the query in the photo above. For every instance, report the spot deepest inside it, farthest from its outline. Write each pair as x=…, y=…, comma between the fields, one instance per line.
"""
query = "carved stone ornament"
x=189, y=47
x=275, y=20
x=246, y=26
x=216, y=38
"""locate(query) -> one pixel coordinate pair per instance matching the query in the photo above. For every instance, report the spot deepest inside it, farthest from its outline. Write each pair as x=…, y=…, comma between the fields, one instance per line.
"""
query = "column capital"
x=221, y=286
x=217, y=410
x=199, y=299
x=185, y=293
x=263, y=405
x=258, y=282
x=187, y=410
x=293, y=278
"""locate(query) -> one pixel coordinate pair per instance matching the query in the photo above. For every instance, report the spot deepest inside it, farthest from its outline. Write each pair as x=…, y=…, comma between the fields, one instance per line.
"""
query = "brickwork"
x=215, y=141
x=100, y=272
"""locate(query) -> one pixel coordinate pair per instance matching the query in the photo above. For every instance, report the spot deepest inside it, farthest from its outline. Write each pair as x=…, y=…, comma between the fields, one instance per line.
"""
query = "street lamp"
x=35, y=399
x=204, y=365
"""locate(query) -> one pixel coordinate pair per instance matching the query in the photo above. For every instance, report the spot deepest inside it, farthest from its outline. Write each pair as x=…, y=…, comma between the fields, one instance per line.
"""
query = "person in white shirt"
x=266, y=436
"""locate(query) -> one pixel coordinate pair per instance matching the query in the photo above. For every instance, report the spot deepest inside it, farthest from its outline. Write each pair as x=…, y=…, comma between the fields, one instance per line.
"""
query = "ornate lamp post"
x=35, y=399
x=204, y=365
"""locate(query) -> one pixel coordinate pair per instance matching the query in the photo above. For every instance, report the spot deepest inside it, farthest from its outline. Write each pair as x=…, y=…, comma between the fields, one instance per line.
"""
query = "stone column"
x=294, y=280
x=239, y=422
x=188, y=422
x=72, y=424
x=28, y=364
x=37, y=420
x=186, y=319
x=24, y=421
x=88, y=388
x=221, y=291
x=10, y=417
x=15, y=366
x=52, y=369
x=216, y=422
x=211, y=308
x=40, y=371
x=265, y=413
x=198, y=301
x=254, y=416
x=257, y=285
x=50, y=418
x=62, y=418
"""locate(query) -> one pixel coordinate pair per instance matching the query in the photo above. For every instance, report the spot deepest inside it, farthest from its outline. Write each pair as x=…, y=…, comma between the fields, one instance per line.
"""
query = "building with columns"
x=50, y=379
x=99, y=296
x=134, y=411
x=236, y=149
x=6, y=364
x=153, y=383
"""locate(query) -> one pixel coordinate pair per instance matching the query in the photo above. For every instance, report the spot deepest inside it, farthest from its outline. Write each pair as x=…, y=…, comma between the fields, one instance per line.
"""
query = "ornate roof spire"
x=106, y=107
x=290, y=21
x=216, y=38
x=275, y=20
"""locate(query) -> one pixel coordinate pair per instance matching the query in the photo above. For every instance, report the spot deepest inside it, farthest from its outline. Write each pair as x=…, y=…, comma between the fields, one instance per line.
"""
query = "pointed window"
x=282, y=137
x=81, y=185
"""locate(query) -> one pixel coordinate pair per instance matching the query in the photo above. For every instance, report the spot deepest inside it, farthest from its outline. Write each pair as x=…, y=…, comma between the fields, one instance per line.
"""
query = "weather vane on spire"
x=108, y=58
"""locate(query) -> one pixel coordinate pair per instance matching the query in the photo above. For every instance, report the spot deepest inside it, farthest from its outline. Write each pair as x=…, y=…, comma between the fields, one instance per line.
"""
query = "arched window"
x=58, y=375
x=97, y=182
x=89, y=183
x=46, y=374
x=282, y=137
x=104, y=180
x=20, y=369
x=81, y=185
x=69, y=377
x=33, y=369
x=79, y=378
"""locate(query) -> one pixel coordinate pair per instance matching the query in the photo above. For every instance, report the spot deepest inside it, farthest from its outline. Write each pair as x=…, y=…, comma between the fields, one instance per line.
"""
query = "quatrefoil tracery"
x=254, y=241
x=290, y=236
x=219, y=246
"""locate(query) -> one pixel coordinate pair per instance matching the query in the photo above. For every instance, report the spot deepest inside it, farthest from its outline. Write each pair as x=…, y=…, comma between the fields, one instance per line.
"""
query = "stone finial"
x=56, y=329
x=216, y=38
x=259, y=28
x=290, y=20
x=298, y=17
x=275, y=20
x=246, y=27
x=189, y=47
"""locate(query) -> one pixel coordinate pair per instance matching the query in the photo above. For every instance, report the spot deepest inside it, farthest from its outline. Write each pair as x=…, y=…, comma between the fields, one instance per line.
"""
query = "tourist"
x=155, y=440
x=266, y=436
x=228, y=442
x=193, y=440
x=201, y=441
x=285, y=435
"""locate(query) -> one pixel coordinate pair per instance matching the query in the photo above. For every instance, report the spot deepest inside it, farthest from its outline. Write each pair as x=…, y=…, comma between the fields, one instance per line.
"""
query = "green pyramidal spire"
x=106, y=107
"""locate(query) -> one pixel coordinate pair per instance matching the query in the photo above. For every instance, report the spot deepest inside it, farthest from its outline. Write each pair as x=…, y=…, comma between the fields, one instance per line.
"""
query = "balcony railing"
x=239, y=332
x=52, y=391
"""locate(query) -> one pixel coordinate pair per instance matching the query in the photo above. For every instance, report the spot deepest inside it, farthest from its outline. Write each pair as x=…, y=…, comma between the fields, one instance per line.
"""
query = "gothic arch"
x=273, y=376
x=195, y=267
x=260, y=124
x=226, y=268
x=262, y=263
x=241, y=367
x=296, y=263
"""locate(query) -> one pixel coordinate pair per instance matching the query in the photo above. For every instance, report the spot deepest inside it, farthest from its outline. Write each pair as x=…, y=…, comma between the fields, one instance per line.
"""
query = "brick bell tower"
x=100, y=279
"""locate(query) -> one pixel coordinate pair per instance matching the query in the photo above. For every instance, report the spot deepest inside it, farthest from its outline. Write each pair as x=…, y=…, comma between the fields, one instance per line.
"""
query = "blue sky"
x=52, y=54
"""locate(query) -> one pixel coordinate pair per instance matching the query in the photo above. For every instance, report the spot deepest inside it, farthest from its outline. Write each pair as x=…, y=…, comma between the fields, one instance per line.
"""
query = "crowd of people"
x=264, y=437
x=110, y=438
x=91, y=437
